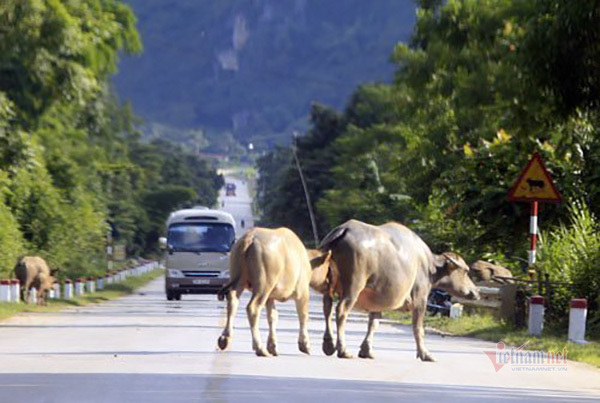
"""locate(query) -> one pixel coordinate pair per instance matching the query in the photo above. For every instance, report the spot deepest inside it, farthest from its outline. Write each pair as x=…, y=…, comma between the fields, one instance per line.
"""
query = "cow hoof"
x=328, y=347
x=344, y=354
x=272, y=349
x=303, y=347
x=224, y=342
x=426, y=357
x=365, y=353
x=261, y=352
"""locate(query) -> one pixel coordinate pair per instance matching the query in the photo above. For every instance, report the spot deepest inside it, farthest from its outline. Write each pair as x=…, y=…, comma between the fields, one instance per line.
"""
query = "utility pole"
x=306, y=195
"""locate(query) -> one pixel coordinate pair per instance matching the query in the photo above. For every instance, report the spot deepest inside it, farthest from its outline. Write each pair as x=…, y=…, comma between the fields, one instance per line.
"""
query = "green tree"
x=71, y=163
x=281, y=195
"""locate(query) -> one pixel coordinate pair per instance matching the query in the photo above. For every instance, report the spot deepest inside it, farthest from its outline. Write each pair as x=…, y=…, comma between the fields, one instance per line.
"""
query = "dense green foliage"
x=570, y=253
x=70, y=162
x=252, y=68
x=481, y=86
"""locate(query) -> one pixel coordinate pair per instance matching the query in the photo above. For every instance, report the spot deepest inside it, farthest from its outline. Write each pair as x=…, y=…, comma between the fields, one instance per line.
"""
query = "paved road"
x=239, y=206
x=143, y=348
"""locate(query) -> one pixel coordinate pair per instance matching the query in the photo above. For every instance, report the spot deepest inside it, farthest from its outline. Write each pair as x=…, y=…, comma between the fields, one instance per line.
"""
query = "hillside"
x=253, y=67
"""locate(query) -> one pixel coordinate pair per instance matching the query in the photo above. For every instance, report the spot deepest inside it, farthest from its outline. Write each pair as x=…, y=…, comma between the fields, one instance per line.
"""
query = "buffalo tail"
x=334, y=235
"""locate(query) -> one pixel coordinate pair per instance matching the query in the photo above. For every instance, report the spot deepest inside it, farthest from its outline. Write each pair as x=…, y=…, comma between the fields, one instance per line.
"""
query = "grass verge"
x=487, y=327
x=110, y=291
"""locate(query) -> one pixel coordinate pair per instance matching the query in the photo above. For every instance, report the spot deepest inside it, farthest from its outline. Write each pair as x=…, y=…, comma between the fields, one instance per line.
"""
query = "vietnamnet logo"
x=519, y=359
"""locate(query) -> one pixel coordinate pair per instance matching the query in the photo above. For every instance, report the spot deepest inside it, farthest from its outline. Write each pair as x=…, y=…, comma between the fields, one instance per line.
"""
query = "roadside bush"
x=11, y=242
x=570, y=253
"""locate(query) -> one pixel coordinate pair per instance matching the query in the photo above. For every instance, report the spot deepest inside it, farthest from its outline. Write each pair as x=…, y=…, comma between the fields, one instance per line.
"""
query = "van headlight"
x=224, y=274
x=175, y=273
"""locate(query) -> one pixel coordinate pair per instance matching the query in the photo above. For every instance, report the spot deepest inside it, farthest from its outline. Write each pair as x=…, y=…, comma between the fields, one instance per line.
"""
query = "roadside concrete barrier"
x=56, y=289
x=536, y=315
x=68, y=289
x=90, y=285
x=33, y=297
x=79, y=287
x=15, y=291
x=5, y=291
x=10, y=288
x=577, y=318
x=456, y=311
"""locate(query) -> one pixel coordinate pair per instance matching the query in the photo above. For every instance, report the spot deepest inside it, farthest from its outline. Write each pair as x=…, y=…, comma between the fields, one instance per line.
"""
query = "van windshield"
x=200, y=237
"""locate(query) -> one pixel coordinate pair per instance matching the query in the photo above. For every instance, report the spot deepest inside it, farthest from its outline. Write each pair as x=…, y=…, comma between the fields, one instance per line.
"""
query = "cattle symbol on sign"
x=534, y=184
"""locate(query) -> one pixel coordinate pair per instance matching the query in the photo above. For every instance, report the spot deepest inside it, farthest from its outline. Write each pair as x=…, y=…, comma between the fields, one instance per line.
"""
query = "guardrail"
x=10, y=288
x=501, y=300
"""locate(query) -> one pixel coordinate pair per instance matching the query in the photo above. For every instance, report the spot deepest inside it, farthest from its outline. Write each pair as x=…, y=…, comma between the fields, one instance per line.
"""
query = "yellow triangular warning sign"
x=534, y=184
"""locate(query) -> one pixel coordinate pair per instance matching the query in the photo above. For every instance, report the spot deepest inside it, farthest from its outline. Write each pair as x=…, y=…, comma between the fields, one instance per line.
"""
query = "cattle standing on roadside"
x=33, y=272
x=385, y=268
x=275, y=266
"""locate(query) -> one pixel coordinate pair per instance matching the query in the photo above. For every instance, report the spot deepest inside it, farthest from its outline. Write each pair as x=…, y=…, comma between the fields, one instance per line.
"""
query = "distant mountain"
x=253, y=67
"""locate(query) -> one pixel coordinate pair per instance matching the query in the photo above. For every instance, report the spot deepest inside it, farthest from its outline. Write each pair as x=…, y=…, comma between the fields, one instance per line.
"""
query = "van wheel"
x=177, y=296
x=170, y=295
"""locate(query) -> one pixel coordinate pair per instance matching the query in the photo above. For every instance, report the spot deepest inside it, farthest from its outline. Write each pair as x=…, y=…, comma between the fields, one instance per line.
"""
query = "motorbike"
x=439, y=302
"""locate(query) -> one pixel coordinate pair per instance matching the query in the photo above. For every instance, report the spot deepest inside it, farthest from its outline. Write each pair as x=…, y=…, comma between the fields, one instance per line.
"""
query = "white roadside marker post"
x=4, y=290
x=15, y=291
x=79, y=287
x=68, y=289
x=577, y=318
x=536, y=315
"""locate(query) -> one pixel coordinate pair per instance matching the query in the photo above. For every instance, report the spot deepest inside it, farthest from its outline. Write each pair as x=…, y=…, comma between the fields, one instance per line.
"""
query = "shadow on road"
x=226, y=388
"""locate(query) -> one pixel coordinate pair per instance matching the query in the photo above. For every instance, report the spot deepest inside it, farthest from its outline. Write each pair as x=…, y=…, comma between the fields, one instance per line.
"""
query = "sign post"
x=534, y=185
x=533, y=232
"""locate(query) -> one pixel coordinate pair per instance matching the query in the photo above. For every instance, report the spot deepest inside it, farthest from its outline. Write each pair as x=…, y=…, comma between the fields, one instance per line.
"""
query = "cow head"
x=452, y=276
x=46, y=284
x=321, y=278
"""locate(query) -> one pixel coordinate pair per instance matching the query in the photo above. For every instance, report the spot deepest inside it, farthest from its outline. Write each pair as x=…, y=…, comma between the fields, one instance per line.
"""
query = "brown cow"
x=33, y=272
x=385, y=268
x=275, y=266
x=484, y=271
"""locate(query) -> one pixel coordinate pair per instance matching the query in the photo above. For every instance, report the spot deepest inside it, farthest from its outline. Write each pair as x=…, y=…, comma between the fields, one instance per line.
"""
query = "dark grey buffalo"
x=387, y=267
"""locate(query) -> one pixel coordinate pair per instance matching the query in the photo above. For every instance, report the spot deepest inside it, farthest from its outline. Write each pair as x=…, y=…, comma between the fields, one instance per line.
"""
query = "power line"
x=306, y=195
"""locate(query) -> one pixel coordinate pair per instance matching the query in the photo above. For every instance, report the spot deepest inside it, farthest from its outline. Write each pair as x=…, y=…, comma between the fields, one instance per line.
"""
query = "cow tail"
x=238, y=252
x=225, y=289
x=334, y=235
x=19, y=264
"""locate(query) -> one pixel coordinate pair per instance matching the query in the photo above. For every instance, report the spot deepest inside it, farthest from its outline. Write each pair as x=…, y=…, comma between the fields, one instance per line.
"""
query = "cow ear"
x=456, y=264
x=439, y=261
x=54, y=271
